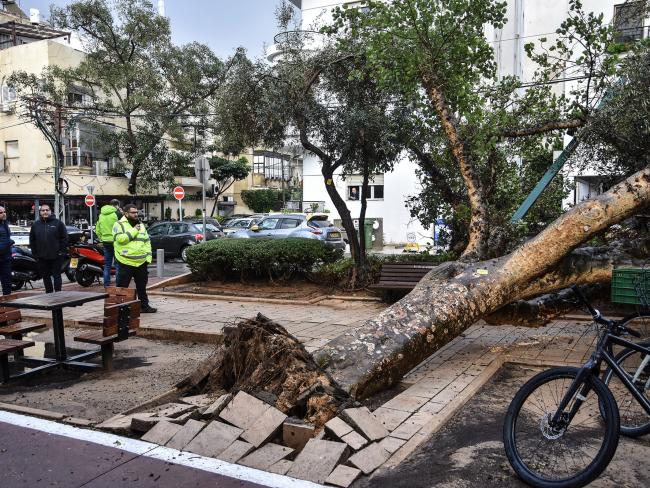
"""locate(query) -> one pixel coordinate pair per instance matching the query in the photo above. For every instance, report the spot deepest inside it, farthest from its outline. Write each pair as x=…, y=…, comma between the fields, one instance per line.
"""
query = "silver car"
x=307, y=226
x=20, y=235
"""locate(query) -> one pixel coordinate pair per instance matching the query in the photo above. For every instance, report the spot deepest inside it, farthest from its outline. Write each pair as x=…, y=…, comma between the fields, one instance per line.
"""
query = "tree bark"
x=478, y=227
x=452, y=297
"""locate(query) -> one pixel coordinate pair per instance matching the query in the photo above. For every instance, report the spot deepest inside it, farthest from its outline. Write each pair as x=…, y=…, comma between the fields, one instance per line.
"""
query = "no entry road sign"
x=179, y=193
x=90, y=200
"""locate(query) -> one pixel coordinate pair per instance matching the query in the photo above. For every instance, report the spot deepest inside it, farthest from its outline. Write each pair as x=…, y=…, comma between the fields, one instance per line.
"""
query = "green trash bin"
x=367, y=232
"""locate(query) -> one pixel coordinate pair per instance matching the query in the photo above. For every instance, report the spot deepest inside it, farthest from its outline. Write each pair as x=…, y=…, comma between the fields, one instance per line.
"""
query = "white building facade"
x=528, y=21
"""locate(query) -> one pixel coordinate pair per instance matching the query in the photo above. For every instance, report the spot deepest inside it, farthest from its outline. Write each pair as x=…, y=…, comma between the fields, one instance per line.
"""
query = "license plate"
x=74, y=262
x=335, y=235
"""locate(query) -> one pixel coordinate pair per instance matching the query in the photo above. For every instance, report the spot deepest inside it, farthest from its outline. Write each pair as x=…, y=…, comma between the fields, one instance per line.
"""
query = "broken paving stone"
x=217, y=406
x=142, y=422
x=296, y=434
x=162, y=432
x=265, y=426
x=197, y=400
x=281, y=467
x=391, y=444
x=412, y=425
x=185, y=434
x=370, y=458
x=366, y=423
x=266, y=456
x=317, y=460
x=243, y=410
x=213, y=439
x=120, y=424
x=343, y=476
x=354, y=440
x=390, y=418
x=235, y=451
x=338, y=427
x=171, y=409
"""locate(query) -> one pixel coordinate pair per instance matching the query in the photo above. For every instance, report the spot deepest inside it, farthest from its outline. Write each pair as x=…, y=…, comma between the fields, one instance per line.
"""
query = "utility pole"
x=59, y=203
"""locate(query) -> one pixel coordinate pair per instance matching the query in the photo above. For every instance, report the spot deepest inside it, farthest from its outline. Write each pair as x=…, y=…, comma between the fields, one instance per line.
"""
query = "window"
x=75, y=98
x=289, y=223
x=377, y=192
x=258, y=164
x=8, y=94
x=628, y=21
x=272, y=165
x=353, y=193
x=11, y=149
x=268, y=224
x=158, y=230
x=175, y=229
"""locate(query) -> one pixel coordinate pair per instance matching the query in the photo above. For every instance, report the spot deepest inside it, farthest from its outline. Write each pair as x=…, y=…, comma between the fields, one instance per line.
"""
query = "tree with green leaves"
x=136, y=82
x=226, y=171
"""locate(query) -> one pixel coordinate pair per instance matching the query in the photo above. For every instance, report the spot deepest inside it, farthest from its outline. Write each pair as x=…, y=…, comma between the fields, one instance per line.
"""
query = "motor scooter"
x=88, y=262
x=24, y=268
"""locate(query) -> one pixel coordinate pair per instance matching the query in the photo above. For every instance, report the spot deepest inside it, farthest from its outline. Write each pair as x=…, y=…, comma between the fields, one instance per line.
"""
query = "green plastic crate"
x=631, y=286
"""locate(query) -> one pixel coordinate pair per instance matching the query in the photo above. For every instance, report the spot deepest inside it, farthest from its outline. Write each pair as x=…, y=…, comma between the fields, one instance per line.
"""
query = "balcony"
x=633, y=34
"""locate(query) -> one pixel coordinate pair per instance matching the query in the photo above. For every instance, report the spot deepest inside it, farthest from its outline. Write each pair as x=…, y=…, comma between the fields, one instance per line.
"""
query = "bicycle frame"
x=602, y=353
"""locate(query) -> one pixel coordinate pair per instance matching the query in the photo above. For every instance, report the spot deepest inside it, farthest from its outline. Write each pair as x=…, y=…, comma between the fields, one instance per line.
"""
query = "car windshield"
x=320, y=222
x=210, y=227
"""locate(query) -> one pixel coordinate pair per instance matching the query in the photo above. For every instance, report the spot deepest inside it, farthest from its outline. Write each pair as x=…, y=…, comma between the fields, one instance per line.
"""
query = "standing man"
x=133, y=251
x=5, y=253
x=108, y=216
x=48, y=240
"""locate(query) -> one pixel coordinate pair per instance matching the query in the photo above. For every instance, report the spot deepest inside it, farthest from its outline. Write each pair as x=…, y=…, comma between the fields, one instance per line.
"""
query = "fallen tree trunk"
x=451, y=298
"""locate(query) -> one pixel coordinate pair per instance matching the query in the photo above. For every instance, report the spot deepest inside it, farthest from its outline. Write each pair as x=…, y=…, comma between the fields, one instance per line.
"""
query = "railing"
x=632, y=35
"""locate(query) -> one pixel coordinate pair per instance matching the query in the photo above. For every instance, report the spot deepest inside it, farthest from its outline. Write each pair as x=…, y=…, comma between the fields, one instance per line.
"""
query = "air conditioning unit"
x=100, y=168
x=2, y=162
x=6, y=107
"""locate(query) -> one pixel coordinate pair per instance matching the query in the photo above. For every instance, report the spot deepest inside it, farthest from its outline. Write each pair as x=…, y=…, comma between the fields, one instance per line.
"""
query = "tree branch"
x=544, y=128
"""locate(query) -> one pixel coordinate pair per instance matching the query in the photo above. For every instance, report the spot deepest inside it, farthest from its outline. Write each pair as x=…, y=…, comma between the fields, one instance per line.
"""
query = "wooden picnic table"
x=56, y=302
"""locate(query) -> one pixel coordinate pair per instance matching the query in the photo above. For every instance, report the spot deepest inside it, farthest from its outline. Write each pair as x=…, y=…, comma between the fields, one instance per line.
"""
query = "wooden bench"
x=115, y=296
x=12, y=326
x=400, y=278
x=10, y=346
x=119, y=323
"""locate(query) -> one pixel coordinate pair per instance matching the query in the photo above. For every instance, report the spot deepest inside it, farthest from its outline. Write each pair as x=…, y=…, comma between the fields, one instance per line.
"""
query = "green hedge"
x=272, y=258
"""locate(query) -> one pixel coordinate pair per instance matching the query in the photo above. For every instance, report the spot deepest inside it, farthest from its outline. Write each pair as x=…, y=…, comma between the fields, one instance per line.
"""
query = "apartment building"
x=528, y=21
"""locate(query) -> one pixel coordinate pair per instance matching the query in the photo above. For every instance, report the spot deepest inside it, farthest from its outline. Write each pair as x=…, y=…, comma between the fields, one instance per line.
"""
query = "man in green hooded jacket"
x=109, y=214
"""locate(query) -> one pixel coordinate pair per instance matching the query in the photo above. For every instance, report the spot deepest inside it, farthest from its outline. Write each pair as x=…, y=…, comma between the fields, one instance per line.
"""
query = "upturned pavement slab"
x=317, y=460
x=370, y=458
x=235, y=451
x=243, y=410
x=296, y=435
x=266, y=456
x=281, y=467
x=161, y=433
x=213, y=439
x=264, y=427
x=355, y=440
x=338, y=427
x=217, y=406
x=365, y=422
x=185, y=434
x=343, y=476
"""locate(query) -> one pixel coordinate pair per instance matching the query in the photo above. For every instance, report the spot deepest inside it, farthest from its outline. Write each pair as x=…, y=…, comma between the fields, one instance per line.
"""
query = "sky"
x=221, y=24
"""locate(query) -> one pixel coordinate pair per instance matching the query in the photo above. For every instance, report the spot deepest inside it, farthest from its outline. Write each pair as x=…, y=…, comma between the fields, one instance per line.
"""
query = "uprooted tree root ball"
x=260, y=357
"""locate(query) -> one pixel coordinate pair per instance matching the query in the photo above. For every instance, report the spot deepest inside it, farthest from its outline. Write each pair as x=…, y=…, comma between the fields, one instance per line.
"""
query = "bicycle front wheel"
x=571, y=452
x=635, y=421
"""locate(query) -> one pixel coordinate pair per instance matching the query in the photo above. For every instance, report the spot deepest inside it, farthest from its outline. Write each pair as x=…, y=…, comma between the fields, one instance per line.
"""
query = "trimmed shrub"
x=273, y=258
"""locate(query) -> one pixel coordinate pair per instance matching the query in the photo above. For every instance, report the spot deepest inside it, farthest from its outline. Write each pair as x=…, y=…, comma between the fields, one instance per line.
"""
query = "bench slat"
x=7, y=346
x=21, y=328
x=97, y=337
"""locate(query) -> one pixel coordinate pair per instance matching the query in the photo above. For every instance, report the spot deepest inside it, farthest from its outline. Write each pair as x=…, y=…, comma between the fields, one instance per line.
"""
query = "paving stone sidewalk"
x=314, y=325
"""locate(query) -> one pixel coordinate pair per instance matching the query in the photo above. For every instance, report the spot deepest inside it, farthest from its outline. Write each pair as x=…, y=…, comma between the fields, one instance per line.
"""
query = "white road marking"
x=155, y=451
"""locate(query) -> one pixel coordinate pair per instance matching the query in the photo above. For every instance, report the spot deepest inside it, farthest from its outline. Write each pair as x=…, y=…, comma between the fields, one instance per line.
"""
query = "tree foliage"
x=225, y=172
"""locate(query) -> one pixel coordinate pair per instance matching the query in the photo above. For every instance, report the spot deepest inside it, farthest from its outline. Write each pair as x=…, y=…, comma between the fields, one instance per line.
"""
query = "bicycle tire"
x=639, y=322
x=548, y=439
x=635, y=421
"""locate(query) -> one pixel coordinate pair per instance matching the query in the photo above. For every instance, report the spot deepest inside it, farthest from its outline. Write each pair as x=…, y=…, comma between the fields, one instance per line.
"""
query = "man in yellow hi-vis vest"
x=133, y=251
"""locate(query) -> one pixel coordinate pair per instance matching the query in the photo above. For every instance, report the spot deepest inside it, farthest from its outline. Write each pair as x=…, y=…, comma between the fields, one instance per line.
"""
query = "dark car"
x=176, y=237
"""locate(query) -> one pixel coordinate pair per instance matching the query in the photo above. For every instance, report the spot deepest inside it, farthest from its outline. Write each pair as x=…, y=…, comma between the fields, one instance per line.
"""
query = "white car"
x=20, y=235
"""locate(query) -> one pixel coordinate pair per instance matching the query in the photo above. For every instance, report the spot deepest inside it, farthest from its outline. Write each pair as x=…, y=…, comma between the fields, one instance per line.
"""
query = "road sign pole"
x=180, y=211
x=203, y=198
x=90, y=209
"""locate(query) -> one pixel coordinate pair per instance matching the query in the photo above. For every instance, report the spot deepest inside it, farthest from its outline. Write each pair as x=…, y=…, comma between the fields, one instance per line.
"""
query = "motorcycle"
x=88, y=262
x=24, y=268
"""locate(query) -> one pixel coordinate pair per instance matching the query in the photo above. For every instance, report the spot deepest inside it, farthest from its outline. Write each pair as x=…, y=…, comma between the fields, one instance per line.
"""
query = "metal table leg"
x=59, y=337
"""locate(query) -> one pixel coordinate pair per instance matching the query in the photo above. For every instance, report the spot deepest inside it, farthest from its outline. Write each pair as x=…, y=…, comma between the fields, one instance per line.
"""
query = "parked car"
x=211, y=225
x=307, y=226
x=239, y=224
x=20, y=235
x=177, y=237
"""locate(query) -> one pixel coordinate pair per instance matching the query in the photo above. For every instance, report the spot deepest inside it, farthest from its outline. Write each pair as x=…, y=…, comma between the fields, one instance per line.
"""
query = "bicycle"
x=562, y=427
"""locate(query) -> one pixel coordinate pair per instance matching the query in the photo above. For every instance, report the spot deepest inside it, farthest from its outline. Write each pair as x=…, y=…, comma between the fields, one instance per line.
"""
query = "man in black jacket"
x=5, y=253
x=48, y=240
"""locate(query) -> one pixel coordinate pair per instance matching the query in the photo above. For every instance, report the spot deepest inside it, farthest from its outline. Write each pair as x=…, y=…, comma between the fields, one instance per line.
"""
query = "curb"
x=46, y=414
x=174, y=280
x=238, y=298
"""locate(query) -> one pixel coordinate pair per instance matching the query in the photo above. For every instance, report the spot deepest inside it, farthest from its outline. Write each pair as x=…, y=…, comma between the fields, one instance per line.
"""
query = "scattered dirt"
x=468, y=451
x=143, y=370
x=294, y=290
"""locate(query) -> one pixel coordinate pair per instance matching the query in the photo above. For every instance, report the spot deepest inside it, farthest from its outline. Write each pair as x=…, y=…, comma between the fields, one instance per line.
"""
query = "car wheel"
x=184, y=253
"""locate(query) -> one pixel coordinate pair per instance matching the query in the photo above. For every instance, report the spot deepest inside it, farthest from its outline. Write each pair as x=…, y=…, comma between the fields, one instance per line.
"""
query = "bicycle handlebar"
x=594, y=313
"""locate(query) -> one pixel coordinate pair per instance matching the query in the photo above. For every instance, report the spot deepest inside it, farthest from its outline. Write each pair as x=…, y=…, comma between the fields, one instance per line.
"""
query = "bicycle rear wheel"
x=568, y=454
x=635, y=421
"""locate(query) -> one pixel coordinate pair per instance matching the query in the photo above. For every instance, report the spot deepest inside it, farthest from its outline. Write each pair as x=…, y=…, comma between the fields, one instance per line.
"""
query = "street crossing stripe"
x=155, y=451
